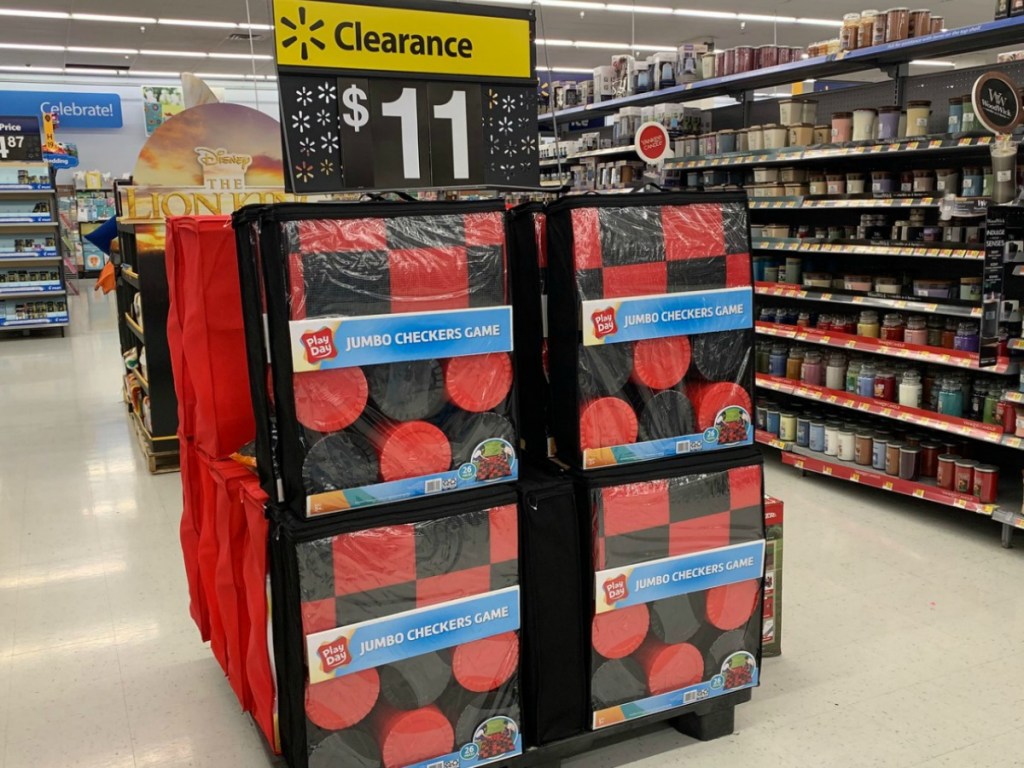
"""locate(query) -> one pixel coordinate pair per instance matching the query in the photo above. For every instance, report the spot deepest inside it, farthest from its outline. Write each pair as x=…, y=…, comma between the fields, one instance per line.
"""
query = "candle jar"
x=777, y=360
x=864, y=124
x=929, y=459
x=813, y=370
x=885, y=386
x=968, y=120
x=835, y=184
x=866, y=380
x=909, y=463
x=816, y=438
x=947, y=181
x=951, y=398
x=987, y=181
x=949, y=333
x=888, y=123
x=762, y=359
x=842, y=127
x=862, y=448
x=883, y=183
x=1004, y=168
x=847, y=445
x=936, y=24
x=707, y=66
x=935, y=326
x=985, y=483
x=892, y=327
x=866, y=32
x=801, y=135
x=867, y=324
x=920, y=22
x=897, y=24
x=906, y=184
x=966, y=339
x=744, y=59
x=963, y=476
x=956, y=113
x=924, y=181
x=831, y=438
x=803, y=431
x=878, y=445
x=879, y=33
x=916, y=331
x=945, y=471
x=849, y=32
x=910, y=389
x=772, y=419
x=844, y=324
x=794, y=363
x=853, y=375
x=822, y=134
x=787, y=427
x=835, y=372
x=917, y=118
x=755, y=138
x=892, y=458
x=855, y=183
x=803, y=320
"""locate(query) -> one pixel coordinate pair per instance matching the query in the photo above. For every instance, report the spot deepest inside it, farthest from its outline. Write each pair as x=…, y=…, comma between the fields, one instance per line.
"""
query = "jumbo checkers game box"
x=390, y=340
x=650, y=308
x=400, y=643
x=678, y=566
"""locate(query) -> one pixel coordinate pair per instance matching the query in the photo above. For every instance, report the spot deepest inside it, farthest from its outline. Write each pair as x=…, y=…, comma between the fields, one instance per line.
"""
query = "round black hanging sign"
x=997, y=102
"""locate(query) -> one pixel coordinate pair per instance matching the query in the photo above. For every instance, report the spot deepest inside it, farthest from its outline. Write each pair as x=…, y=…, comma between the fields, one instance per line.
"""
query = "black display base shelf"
x=705, y=721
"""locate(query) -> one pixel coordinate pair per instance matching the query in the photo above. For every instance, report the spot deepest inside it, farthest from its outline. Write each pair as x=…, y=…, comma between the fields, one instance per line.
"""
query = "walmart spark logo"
x=305, y=30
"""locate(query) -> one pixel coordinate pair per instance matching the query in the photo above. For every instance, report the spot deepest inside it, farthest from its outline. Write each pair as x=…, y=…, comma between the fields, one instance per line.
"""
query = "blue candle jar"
x=773, y=421
x=815, y=436
x=951, y=398
x=777, y=360
x=866, y=381
x=956, y=114
x=803, y=431
x=878, y=446
x=966, y=339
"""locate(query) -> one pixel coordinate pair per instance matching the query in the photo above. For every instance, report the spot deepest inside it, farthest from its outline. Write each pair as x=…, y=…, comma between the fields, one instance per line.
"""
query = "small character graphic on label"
x=616, y=589
x=605, y=323
x=319, y=345
x=334, y=654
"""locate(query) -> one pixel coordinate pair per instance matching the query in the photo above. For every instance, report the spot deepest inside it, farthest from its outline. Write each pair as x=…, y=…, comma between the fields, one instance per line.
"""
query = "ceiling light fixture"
x=656, y=9
x=580, y=70
x=28, y=70
x=30, y=47
x=198, y=23
x=34, y=13
x=116, y=19
x=91, y=49
x=181, y=54
x=261, y=56
x=932, y=63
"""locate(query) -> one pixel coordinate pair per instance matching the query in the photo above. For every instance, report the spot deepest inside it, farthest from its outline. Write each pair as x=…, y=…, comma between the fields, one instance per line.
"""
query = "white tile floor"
x=903, y=622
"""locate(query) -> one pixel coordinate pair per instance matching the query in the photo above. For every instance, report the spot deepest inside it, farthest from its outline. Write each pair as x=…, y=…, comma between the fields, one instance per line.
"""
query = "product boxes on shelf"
x=25, y=176
x=27, y=246
x=651, y=326
x=678, y=563
x=25, y=211
x=772, y=625
x=390, y=335
x=408, y=635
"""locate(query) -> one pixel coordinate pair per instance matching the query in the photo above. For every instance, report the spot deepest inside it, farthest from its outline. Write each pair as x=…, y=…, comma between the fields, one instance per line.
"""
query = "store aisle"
x=903, y=623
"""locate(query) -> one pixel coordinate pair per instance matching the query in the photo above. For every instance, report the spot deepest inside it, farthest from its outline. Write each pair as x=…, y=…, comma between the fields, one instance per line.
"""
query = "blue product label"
x=493, y=461
x=616, y=588
x=369, y=644
x=739, y=671
x=672, y=314
x=344, y=342
x=496, y=739
x=732, y=428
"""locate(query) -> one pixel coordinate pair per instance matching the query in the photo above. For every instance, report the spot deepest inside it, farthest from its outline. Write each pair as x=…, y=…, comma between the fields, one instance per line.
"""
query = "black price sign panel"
x=996, y=102
x=19, y=140
x=395, y=95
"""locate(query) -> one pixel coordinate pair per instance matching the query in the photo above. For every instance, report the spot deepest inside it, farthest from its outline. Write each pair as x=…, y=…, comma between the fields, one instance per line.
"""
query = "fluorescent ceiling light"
x=573, y=4
x=637, y=8
x=766, y=17
x=152, y=73
x=34, y=13
x=199, y=23
x=28, y=70
x=561, y=43
x=704, y=14
x=219, y=76
x=581, y=70
x=932, y=63
x=109, y=17
x=90, y=49
x=818, y=22
x=181, y=54
x=263, y=56
x=255, y=26
x=30, y=47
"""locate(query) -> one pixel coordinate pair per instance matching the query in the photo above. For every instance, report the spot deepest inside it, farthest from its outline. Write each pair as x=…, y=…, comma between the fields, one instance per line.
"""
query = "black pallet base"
x=704, y=721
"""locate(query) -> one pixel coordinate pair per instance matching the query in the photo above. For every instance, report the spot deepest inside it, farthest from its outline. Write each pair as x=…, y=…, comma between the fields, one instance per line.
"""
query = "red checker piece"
x=407, y=738
x=670, y=667
x=661, y=363
x=711, y=399
x=616, y=634
x=413, y=449
x=634, y=507
x=486, y=664
x=341, y=702
x=428, y=279
x=331, y=399
x=607, y=421
x=478, y=383
x=731, y=606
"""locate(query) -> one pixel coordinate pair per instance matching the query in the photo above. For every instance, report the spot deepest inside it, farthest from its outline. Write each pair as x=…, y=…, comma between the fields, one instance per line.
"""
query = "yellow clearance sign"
x=327, y=35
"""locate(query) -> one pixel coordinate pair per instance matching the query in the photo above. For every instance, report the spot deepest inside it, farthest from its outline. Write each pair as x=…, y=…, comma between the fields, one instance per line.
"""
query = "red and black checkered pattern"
x=654, y=519
x=644, y=250
x=376, y=266
x=377, y=572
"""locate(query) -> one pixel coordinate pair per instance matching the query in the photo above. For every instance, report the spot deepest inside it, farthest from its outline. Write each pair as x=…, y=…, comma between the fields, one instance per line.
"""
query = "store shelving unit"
x=795, y=292
x=33, y=294
x=869, y=248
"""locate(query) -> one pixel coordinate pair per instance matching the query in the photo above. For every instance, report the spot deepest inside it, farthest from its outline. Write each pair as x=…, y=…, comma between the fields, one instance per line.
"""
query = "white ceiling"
x=585, y=21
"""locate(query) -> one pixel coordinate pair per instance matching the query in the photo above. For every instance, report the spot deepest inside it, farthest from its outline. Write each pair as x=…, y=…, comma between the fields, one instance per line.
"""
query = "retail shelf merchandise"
x=859, y=300
x=33, y=285
x=869, y=248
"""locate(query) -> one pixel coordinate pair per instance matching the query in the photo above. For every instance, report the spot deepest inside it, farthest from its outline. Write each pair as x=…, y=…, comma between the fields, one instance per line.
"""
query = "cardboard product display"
x=678, y=564
x=401, y=624
x=390, y=347
x=773, y=521
x=650, y=309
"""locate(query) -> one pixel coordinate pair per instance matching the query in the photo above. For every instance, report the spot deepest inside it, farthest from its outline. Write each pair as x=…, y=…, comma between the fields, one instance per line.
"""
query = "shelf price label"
x=20, y=140
x=404, y=94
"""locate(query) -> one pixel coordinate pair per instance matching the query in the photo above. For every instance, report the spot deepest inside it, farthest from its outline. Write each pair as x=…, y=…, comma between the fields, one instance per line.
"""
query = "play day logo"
x=604, y=322
x=616, y=589
x=319, y=345
x=334, y=655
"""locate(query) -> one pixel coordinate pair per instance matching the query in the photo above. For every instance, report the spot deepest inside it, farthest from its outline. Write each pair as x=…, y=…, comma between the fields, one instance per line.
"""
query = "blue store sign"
x=74, y=110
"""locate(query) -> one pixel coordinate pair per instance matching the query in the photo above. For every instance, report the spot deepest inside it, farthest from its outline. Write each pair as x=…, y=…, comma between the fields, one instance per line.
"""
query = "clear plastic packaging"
x=391, y=337
x=678, y=574
x=411, y=636
x=651, y=317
